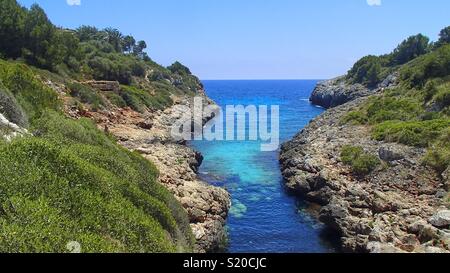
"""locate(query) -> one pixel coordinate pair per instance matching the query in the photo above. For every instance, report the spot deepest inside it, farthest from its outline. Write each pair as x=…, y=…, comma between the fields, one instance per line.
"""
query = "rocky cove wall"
x=397, y=208
x=149, y=134
x=335, y=92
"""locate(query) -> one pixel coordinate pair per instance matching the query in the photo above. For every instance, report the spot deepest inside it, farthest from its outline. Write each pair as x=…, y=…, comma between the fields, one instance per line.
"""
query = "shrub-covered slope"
x=378, y=161
x=65, y=180
x=417, y=111
x=71, y=182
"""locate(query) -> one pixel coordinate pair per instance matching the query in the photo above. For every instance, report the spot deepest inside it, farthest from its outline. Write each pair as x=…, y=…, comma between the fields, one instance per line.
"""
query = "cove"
x=263, y=218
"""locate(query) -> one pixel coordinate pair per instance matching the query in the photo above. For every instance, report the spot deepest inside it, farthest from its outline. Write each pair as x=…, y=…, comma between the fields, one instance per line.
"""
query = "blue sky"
x=259, y=39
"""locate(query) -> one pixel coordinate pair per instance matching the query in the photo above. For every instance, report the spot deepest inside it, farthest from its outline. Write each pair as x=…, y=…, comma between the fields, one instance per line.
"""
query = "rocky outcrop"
x=335, y=92
x=399, y=207
x=10, y=109
x=10, y=130
x=106, y=86
x=150, y=135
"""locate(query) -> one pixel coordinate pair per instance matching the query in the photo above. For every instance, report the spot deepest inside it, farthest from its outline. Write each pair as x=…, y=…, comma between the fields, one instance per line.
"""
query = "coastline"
x=148, y=134
x=390, y=210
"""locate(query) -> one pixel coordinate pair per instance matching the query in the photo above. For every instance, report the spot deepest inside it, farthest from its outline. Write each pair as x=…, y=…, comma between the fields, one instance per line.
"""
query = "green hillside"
x=417, y=111
x=66, y=180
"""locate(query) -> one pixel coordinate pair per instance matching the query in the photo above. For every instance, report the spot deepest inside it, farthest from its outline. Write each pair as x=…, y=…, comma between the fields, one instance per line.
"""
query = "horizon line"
x=263, y=79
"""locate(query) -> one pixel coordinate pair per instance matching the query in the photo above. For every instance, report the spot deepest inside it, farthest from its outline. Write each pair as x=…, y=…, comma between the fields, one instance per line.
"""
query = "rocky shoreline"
x=207, y=206
x=149, y=134
x=399, y=207
x=335, y=92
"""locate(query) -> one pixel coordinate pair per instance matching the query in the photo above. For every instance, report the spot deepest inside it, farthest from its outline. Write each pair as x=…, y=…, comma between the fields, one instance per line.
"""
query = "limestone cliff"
x=335, y=92
x=148, y=133
x=399, y=207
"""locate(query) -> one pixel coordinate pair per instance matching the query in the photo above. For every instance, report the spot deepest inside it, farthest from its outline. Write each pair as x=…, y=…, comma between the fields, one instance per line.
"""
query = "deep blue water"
x=264, y=218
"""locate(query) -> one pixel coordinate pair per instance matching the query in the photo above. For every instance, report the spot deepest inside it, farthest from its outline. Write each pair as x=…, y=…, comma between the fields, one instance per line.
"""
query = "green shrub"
x=33, y=97
x=442, y=96
x=433, y=65
x=412, y=133
x=86, y=94
x=116, y=100
x=139, y=99
x=409, y=49
x=438, y=155
x=73, y=183
x=386, y=108
x=368, y=71
x=355, y=118
x=11, y=109
x=361, y=162
x=180, y=69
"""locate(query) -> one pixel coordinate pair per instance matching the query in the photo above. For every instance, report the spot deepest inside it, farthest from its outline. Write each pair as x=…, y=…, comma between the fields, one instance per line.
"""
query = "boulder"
x=441, y=219
x=379, y=248
x=106, y=86
x=390, y=153
x=335, y=92
x=446, y=177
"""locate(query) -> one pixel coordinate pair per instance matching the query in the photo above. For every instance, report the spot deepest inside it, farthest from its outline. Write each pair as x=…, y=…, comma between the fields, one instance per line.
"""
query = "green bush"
x=11, y=109
x=139, y=99
x=410, y=49
x=412, y=133
x=367, y=71
x=433, y=65
x=73, y=183
x=438, y=155
x=361, y=162
x=355, y=118
x=442, y=96
x=116, y=100
x=86, y=94
x=385, y=108
x=180, y=69
x=30, y=93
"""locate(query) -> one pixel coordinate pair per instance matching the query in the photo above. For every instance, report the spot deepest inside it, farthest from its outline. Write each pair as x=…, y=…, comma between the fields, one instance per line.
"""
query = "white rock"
x=441, y=219
x=380, y=248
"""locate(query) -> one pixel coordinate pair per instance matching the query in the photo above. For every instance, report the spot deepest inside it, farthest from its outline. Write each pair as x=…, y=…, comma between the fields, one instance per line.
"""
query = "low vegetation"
x=71, y=182
x=412, y=133
x=68, y=181
x=361, y=162
x=86, y=95
x=417, y=112
x=138, y=99
x=87, y=53
x=32, y=96
x=438, y=155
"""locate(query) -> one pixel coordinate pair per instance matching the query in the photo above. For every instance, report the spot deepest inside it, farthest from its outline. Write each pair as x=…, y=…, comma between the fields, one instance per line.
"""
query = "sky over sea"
x=254, y=39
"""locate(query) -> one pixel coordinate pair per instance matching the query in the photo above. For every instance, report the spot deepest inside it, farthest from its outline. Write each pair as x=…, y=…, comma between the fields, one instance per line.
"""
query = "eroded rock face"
x=391, y=210
x=335, y=92
x=106, y=86
x=10, y=130
x=150, y=135
x=441, y=219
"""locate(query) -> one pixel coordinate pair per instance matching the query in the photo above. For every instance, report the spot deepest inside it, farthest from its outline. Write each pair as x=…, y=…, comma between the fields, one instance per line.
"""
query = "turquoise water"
x=264, y=218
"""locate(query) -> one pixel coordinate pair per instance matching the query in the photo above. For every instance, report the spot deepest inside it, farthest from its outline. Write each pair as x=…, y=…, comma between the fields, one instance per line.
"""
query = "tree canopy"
x=371, y=70
x=104, y=54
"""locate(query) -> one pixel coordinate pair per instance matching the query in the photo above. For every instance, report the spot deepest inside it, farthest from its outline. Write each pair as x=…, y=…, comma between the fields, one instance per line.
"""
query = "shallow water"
x=264, y=218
